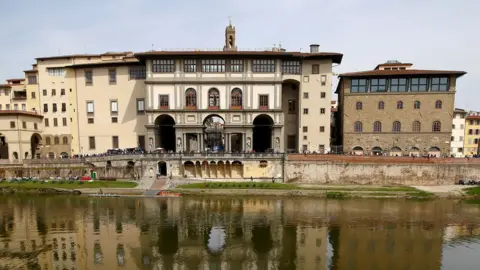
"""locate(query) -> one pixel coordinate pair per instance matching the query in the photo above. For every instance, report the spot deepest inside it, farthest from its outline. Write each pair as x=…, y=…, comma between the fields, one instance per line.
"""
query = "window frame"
x=292, y=109
x=357, y=84
x=113, y=107
x=137, y=72
x=91, y=143
x=112, y=79
x=263, y=102
x=236, y=98
x=416, y=84
x=89, y=111
x=163, y=66
x=189, y=65
x=263, y=66
x=396, y=127
x=190, y=98
x=396, y=85
x=88, y=73
x=214, y=65
x=236, y=66
x=213, y=98
x=436, y=126
x=291, y=67
x=439, y=84
x=164, y=101
x=137, y=103
x=358, y=127
x=417, y=105
x=376, y=85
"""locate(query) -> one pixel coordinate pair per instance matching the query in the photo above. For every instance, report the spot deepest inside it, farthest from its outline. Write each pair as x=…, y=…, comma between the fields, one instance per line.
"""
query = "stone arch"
x=262, y=133
x=35, y=142
x=65, y=140
x=396, y=151
x=189, y=168
x=162, y=168
x=237, y=169
x=56, y=140
x=414, y=151
x=213, y=131
x=434, y=151
x=15, y=155
x=165, y=132
x=377, y=151
x=48, y=140
x=358, y=151
x=64, y=155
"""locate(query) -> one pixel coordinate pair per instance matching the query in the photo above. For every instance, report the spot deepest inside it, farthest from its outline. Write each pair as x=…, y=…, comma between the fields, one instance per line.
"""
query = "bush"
x=80, y=182
x=61, y=182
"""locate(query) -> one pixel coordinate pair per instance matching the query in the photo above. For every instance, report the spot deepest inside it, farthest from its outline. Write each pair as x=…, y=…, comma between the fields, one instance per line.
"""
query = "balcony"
x=19, y=95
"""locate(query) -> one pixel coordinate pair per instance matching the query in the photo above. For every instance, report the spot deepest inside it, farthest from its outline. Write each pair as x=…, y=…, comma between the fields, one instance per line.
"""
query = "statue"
x=277, y=142
x=249, y=142
x=179, y=142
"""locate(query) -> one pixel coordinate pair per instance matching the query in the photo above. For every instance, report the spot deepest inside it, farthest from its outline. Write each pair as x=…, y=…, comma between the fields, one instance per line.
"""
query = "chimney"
x=314, y=48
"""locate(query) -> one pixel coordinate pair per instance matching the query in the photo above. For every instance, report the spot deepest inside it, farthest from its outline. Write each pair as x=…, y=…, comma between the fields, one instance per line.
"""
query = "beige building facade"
x=396, y=110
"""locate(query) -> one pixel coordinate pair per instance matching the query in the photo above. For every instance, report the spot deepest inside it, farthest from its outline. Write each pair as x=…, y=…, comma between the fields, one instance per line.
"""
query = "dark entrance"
x=262, y=133
x=3, y=147
x=214, y=133
x=162, y=168
x=165, y=132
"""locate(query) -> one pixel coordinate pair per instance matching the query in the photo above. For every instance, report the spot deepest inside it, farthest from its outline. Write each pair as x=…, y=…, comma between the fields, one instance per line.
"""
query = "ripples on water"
x=233, y=234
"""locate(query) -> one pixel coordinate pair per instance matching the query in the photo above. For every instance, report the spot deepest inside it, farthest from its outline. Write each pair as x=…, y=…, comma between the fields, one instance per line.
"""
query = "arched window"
x=65, y=140
x=416, y=105
x=359, y=105
x=436, y=126
x=48, y=141
x=397, y=127
x=381, y=105
x=399, y=105
x=358, y=127
x=236, y=102
x=438, y=104
x=377, y=126
x=56, y=140
x=191, y=98
x=213, y=99
x=416, y=126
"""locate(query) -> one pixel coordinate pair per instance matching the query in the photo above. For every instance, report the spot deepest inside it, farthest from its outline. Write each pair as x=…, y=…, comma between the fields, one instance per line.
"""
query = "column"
x=199, y=142
x=227, y=142
x=184, y=142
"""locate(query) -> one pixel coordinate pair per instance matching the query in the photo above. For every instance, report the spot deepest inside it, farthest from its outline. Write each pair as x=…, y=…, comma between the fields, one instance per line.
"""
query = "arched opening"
x=434, y=151
x=3, y=147
x=35, y=144
x=290, y=105
x=162, y=168
x=213, y=99
x=64, y=155
x=189, y=169
x=56, y=140
x=236, y=99
x=237, y=169
x=414, y=152
x=357, y=150
x=377, y=151
x=165, y=132
x=213, y=130
x=395, y=151
x=262, y=133
x=15, y=155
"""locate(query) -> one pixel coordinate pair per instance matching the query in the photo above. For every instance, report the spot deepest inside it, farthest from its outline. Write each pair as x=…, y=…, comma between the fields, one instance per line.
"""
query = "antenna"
x=230, y=20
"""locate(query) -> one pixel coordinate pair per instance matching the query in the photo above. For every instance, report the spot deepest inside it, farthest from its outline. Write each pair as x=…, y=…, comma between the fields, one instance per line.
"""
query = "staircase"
x=159, y=184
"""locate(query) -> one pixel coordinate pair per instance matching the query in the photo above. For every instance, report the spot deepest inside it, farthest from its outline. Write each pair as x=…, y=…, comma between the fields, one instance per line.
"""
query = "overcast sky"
x=431, y=34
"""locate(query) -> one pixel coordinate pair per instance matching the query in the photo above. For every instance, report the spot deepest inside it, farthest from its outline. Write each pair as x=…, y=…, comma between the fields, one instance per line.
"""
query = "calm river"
x=240, y=233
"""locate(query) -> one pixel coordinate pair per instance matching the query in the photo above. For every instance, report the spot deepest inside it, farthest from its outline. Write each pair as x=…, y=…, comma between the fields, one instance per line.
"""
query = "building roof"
x=11, y=80
x=66, y=56
x=116, y=62
x=6, y=85
x=458, y=110
x=19, y=112
x=336, y=57
x=402, y=72
x=31, y=71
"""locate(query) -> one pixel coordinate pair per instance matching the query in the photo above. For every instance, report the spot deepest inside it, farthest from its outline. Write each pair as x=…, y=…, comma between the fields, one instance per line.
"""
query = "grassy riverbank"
x=69, y=185
x=475, y=191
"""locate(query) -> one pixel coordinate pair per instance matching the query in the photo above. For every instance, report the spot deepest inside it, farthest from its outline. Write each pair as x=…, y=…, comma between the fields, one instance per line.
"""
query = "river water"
x=224, y=233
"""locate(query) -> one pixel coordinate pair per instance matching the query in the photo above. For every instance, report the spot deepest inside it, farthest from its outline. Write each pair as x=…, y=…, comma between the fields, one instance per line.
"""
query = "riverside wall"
x=293, y=168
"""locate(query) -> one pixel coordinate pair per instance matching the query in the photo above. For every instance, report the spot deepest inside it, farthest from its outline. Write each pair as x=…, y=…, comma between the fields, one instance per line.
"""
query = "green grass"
x=380, y=189
x=68, y=185
x=472, y=191
x=239, y=185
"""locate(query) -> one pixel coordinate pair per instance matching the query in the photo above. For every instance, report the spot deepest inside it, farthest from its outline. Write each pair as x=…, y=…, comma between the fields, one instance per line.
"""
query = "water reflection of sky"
x=462, y=256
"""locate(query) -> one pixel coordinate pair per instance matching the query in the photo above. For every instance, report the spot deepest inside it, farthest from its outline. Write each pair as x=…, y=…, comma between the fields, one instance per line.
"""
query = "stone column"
x=199, y=142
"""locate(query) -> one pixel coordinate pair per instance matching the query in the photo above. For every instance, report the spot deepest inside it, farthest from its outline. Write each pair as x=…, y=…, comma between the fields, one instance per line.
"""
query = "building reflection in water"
x=252, y=233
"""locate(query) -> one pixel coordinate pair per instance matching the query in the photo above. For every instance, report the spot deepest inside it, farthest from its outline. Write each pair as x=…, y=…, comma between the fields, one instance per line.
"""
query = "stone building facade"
x=396, y=110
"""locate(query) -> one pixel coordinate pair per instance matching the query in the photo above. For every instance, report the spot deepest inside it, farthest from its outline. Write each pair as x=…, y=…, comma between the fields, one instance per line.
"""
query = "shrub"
x=80, y=182
x=61, y=182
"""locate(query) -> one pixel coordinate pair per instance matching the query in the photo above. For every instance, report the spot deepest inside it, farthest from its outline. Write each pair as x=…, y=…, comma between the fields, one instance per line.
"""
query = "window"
x=62, y=92
x=378, y=85
x=7, y=107
x=453, y=126
x=56, y=72
x=54, y=92
x=419, y=84
x=323, y=94
x=163, y=101
x=263, y=66
x=213, y=98
x=24, y=107
x=64, y=121
x=91, y=143
x=305, y=95
x=35, y=126
x=397, y=127
x=399, y=105
x=381, y=105
x=90, y=107
x=263, y=101
x=112, y=75
x=416, y=105
x=305, y=111
x=33, y=95
x=305, y=129
x=90, y=120
x=460, y=150
x=48, y=141
x=64, y=107
x=137, y=72
x=292, y=106
x=24, y=125
x=398, y=85
x=163, y=66
x=236, y=98
x=315, y=69
x=438, y=104
x=115, y=143
x=322, y=128
x=55, y=122
x=45, y=108
x=216, y=65
x=190, y=65
x=114, y=120
x=470, y=131
x=323, y=80
x=305, y=137
x=236, y=65
x=54, y=107
x=15, y=107
x=191, y=98
x=358, y=105
x=65, y=140
x=291, y=67
x=56, y=140
x=88, y=76
x=141, y=141
x=12, y=124
x=439, y=84
x=304, y=147
x=477, y=131
x=141, y=105
x=322, y=110
x=358, y=86
x=32, y=79
x=47, y=123
x=358, y=127
x=436, y=126
x=461, y=138
x=113, y=107
x=377, y=126
x=44, y=92
x=452, y=139
x=291, y=142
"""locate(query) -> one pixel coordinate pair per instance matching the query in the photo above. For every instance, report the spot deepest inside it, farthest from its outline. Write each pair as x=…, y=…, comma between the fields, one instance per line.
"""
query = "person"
x=273, y=179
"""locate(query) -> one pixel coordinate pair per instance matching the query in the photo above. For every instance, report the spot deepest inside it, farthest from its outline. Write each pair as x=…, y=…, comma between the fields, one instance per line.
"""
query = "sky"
x=431, y=34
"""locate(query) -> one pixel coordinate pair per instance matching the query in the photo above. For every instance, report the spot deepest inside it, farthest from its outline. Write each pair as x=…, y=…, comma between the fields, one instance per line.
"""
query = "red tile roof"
x=19, y=112
x=402, y=72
